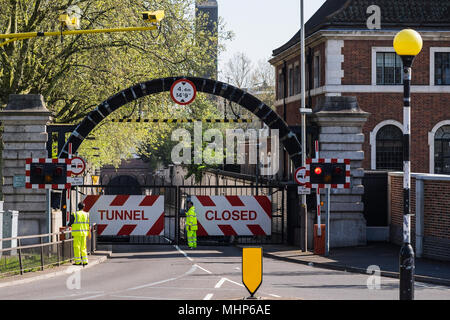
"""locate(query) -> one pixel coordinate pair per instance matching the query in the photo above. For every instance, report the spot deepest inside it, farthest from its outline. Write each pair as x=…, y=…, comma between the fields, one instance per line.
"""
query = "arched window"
x=442, y=150
x=389, y=148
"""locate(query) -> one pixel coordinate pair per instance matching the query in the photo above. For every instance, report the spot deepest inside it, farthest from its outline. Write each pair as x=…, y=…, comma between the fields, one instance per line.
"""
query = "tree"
x=238, y=70
x=258, y=80
x=75, y=75
x=263, y=82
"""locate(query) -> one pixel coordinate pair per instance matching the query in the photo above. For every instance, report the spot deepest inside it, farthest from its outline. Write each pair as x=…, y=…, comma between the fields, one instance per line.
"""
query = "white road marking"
x=183, y=253
x=207, y=271
x=222, y=281
x=192, y=270
x=237, y=283
x=274, y=295
x=208, y=296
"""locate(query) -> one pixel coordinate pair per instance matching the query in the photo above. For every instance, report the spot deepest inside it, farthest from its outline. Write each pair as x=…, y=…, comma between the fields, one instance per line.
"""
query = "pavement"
x=94, y=259
x=358, y=259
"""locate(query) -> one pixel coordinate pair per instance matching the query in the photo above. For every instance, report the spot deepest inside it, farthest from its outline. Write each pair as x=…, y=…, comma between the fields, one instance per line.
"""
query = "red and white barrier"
x=233, y=215
x=125, y=215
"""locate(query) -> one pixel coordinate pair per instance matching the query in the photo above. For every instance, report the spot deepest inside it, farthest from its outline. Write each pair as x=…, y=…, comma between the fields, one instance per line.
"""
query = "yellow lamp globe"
x=408, y=42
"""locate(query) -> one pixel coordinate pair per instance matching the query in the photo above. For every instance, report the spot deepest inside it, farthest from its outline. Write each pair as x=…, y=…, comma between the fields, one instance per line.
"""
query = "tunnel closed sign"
x=125, y=215
x=233, y=215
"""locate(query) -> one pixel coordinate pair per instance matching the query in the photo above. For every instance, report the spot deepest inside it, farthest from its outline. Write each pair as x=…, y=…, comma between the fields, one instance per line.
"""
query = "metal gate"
x=375, y=198
x=278, y=217
x=174, y=212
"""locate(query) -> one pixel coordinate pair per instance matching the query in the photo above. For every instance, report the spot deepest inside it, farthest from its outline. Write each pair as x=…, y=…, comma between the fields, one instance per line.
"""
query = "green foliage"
x=156, y=149
x=78, y=74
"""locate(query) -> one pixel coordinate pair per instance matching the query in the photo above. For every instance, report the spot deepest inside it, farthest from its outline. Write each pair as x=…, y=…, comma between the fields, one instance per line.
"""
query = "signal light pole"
x=407, y=44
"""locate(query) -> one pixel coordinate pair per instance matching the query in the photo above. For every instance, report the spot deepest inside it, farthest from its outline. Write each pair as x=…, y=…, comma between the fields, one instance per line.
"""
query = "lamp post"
x=303, y=112
x=408, y=44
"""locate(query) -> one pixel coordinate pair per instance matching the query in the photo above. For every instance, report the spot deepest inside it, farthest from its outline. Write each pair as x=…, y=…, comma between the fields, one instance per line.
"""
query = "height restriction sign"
x=183, y=92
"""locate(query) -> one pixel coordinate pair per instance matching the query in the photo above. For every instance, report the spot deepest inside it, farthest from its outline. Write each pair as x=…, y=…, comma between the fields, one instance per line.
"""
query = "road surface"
x=137, y=272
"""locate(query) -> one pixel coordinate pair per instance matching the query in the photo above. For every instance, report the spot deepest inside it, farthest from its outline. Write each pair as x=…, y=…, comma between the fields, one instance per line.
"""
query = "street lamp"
x=408, y=44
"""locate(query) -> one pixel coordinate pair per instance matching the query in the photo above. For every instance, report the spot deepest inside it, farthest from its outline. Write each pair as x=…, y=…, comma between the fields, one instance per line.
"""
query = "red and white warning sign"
x=300, y=176
x=78, y=165
x=183, y=92
x=125, y=215
x=233, y=215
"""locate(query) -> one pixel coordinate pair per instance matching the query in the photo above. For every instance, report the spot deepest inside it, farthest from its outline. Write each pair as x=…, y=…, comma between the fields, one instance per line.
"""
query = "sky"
x=261, y=26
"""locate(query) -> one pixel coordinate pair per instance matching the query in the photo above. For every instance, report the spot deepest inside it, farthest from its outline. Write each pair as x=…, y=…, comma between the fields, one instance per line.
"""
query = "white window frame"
x=373, y=140
x=374, y=65
x=290, y=81
x=280, y=73
x=317, y=54
x=299, y=80
x=431, y=136
x=433, y=50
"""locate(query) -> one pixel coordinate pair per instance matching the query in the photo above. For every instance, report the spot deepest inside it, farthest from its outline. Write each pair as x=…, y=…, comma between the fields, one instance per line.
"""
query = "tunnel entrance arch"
x=267, y=115
x=173, y=220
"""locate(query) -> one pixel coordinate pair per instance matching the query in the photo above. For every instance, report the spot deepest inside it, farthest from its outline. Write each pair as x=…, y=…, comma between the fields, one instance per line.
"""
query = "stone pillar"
x=341, y=121
x=24, y=121
x=10, y=229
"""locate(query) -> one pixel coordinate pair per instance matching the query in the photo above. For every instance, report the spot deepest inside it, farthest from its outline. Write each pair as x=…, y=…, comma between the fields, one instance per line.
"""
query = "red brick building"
x=346, y=56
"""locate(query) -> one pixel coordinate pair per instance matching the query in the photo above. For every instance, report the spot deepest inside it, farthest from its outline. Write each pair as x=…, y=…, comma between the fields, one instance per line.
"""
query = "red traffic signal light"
x=337, y=170
x=58, y=172
x=37, y=171
x=328, y=173
x=48, y=173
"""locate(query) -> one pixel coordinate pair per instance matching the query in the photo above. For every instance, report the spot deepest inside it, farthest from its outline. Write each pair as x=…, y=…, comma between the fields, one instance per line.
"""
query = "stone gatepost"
x=341, y=121
x=24, y=136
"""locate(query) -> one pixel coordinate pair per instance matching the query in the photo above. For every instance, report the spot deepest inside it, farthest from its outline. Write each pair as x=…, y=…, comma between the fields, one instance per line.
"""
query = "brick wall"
x=436, y=215
x=427, y=111
x=396, y=209
x=359, y=71
x=293, y=59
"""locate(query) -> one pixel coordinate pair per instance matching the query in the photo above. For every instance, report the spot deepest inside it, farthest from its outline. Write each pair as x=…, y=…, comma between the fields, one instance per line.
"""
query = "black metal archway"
x=261, y=110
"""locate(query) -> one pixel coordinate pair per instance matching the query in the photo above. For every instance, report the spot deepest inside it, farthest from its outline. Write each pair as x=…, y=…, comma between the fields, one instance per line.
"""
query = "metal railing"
x=51, y=249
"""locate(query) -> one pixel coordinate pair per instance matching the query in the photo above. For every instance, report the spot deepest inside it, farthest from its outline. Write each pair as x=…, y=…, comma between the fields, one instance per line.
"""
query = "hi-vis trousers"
x=192, y=239
x=80, y=250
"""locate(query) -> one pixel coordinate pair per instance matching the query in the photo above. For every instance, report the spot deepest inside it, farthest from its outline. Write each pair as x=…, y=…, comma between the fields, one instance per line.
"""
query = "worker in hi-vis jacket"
x=191, y=224
x=79, y=222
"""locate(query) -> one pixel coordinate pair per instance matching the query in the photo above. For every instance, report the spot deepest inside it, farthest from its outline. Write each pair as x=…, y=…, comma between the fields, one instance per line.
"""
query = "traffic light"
x=328, y=173
x=153, y=16
x=48, y=173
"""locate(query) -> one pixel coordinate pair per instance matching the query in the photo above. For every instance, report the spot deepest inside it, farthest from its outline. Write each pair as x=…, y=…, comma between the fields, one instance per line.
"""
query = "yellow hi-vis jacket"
x=80, y=227
x=191, y=219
